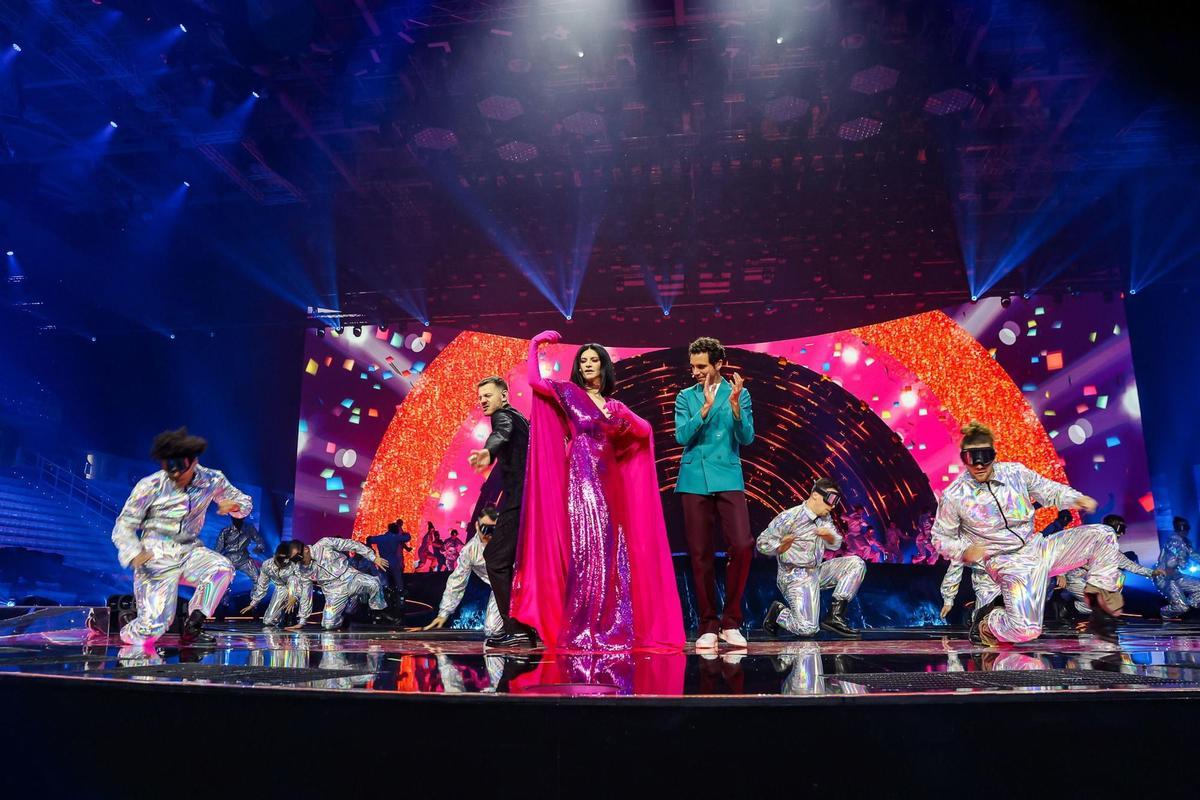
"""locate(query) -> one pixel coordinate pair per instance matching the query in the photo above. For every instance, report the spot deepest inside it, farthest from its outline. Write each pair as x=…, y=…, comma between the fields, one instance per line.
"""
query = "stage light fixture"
x=321, y=332
x=357, y=330
x=182, y=27
x=16, y=47
x=112, y=123
x=778, y=40
x=1006, y=301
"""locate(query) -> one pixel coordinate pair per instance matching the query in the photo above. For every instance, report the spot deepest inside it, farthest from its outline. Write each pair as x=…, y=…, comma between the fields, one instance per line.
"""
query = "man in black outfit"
x=391, y=546
x=507, y=447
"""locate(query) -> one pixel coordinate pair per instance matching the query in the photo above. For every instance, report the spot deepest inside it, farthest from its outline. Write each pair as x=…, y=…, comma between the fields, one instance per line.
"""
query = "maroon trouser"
x=700, y=513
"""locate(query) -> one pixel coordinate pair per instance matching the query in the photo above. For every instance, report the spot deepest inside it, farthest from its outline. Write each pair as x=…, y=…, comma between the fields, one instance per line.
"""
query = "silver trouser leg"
x=275, y=607
x=844, y=574
x=210, y=573
x=493, y=623
x=1022, y=579
x=155, y=592
x=368, y=588
x=801, y=588
x=337, y=595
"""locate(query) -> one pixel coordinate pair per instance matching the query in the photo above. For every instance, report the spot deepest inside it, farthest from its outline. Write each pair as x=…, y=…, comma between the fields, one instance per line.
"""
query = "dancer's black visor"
x=978, y=456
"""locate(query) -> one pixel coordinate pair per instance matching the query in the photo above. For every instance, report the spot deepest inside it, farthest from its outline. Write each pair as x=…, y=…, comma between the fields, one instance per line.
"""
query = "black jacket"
x=509, y=446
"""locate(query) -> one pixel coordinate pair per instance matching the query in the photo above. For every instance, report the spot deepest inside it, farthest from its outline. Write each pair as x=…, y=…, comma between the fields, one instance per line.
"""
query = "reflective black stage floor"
x=912, y=663
x=900, y=713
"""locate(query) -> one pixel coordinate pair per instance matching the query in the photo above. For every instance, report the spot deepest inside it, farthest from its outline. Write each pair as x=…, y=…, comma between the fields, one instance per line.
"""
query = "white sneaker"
x=734, y=637
x=707, y=642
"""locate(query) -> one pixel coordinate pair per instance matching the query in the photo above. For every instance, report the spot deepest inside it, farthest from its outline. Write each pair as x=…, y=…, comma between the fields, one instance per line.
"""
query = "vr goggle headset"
x=178, y=466
x=978, y=456
x=831, y=496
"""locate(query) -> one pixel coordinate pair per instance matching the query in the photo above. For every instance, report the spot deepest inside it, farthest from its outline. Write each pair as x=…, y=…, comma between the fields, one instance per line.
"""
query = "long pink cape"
x=539, y=584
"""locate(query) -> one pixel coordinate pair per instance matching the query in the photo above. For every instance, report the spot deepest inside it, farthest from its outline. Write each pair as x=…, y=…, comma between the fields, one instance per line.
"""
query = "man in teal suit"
x=712, y=420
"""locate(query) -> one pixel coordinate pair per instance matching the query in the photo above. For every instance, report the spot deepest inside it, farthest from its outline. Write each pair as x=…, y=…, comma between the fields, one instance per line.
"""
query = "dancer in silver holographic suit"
x=798, y=538
x=168, y=508
x=470, y=560
x=234, y=542
x=326, y=565
x=1181, y=590
x=290, y=587
x=1075, y=580
x=986, y=517
x=981, y=583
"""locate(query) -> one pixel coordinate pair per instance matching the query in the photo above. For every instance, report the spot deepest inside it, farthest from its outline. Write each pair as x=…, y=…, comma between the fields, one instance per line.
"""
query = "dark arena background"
x=307, y=229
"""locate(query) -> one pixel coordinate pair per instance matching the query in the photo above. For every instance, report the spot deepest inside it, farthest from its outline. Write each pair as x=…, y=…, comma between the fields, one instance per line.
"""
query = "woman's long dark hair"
x=608, y=375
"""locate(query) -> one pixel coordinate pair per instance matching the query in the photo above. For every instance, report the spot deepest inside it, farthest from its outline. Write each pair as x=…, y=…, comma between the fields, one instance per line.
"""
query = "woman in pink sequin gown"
x=593, y=569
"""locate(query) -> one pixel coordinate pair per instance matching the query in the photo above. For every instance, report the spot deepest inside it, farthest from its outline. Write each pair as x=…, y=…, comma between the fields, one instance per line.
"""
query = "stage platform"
x=898, y=712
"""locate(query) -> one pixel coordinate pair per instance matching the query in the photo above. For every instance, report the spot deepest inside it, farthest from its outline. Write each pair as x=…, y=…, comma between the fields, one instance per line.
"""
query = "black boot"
x=1106, y=606
x=980, y=615
x=193, y=630
x=385, y=617
x=835, y=621
x=770, y=622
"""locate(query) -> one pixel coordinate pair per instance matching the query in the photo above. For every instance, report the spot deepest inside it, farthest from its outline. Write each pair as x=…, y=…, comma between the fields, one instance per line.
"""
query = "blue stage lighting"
x=16, y=47
x=112, y=124
x=255, y=95
x=182, y=27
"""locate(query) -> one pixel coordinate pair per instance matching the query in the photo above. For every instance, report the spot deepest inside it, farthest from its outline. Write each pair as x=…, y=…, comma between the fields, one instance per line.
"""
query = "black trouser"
x=499, y=556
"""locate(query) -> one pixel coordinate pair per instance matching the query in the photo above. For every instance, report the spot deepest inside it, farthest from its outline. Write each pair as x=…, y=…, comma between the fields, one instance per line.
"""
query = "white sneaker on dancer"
x=734, y=637
x=707, y=641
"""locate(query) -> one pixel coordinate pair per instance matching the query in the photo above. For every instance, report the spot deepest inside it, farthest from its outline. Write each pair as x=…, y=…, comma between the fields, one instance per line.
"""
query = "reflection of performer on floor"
x=234, y=542
x=986, y=516
x=168, y=508
x=471, y=561
x=798, y=538
x=328, y=567
x=291, y=589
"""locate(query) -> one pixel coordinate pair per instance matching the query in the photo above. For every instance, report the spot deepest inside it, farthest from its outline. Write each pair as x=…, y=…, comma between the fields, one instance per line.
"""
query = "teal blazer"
x=710, y=444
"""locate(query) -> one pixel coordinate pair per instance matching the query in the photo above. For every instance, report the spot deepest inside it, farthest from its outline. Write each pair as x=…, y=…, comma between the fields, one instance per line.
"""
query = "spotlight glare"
x=112, y=124
x=16, y=47
x=10, y=253
x=172, y=336
x=580, y=54
x=779, y=40
x=974, y=299
x=183, y=27
x=187, y=185
x=255, y=95
x=93, y=338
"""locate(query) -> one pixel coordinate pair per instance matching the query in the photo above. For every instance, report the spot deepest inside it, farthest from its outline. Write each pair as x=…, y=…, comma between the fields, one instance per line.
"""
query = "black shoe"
x=193, y=630
x=770, y=622
x=511, y=640
x=385, y=618
x=1100, y=623
x=835, y=621
x=980, y=615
